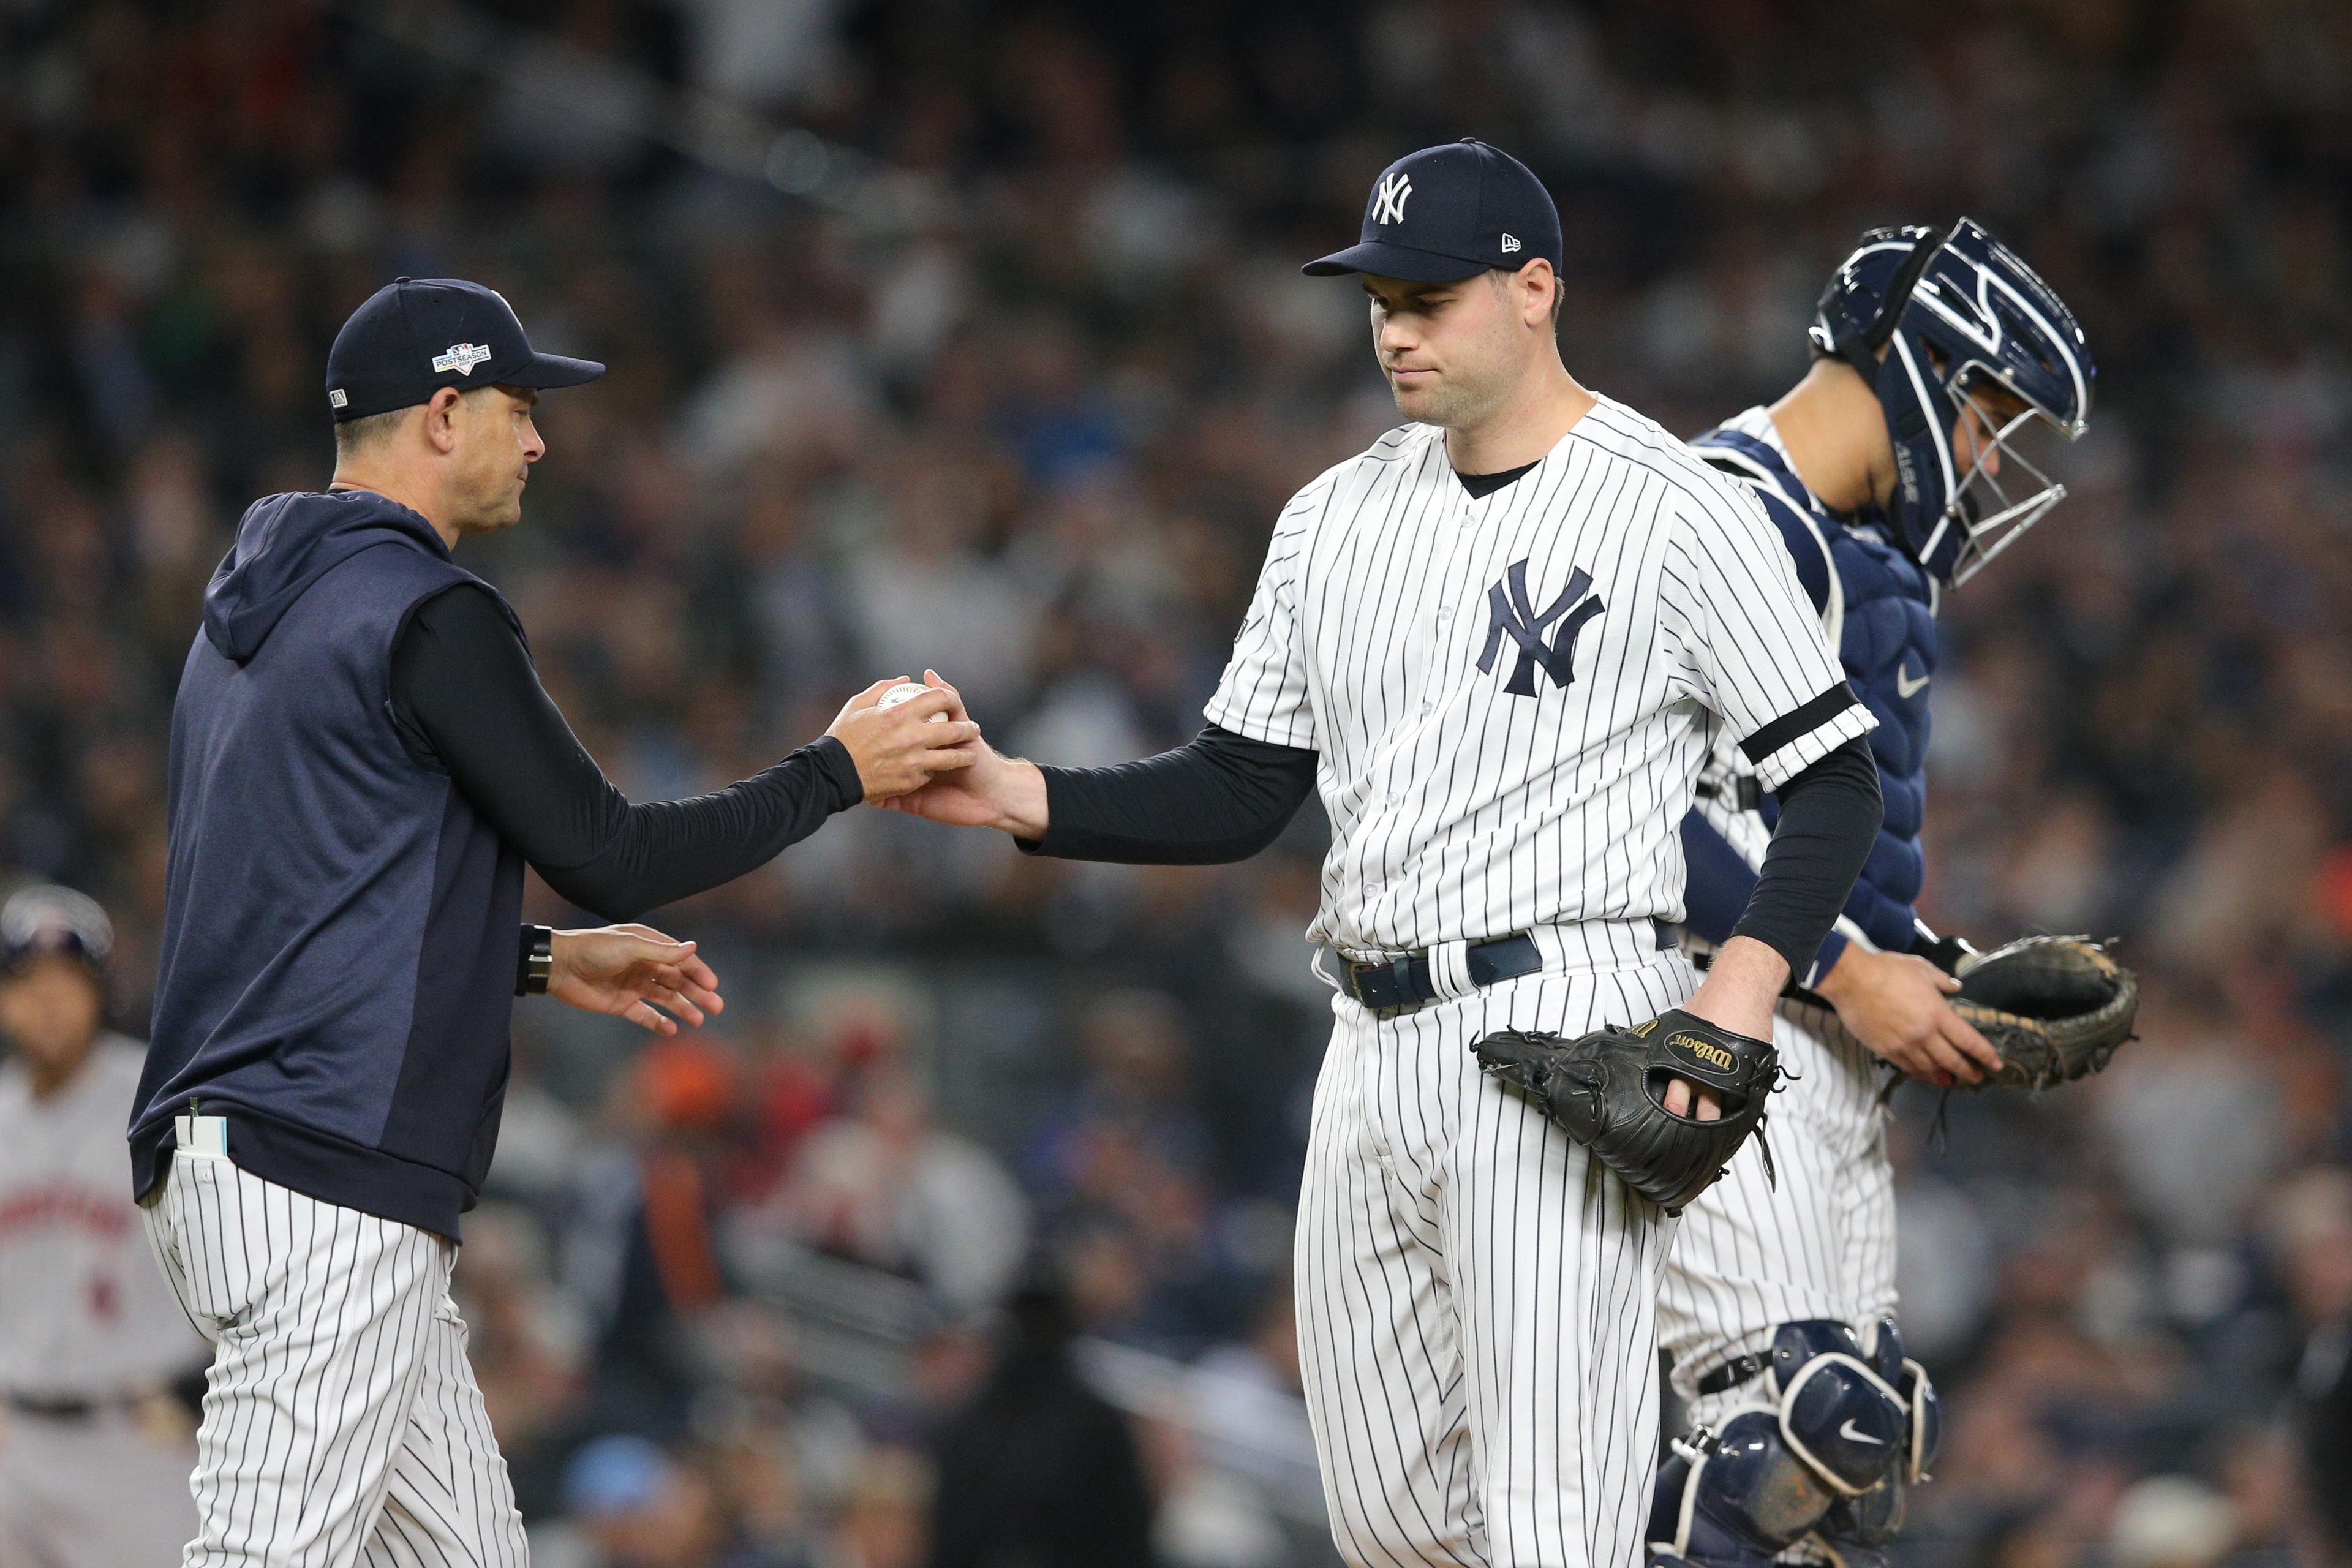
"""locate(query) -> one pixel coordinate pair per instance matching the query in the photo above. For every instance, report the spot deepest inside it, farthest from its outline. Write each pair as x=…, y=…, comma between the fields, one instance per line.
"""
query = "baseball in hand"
x=907, y=691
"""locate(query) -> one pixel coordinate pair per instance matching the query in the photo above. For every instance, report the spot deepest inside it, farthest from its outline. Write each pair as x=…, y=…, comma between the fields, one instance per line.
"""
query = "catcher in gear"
x=1899, y=465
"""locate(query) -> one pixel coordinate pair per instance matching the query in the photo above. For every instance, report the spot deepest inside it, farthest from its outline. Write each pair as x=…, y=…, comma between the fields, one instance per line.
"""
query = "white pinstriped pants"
x=1476, y=1296
x=342, y=1422
x=1750, y=1257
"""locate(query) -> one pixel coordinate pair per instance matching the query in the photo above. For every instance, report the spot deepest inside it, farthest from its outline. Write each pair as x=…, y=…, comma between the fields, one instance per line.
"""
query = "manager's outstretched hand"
x=901, y=748
x=629, y=972
x=995, y=791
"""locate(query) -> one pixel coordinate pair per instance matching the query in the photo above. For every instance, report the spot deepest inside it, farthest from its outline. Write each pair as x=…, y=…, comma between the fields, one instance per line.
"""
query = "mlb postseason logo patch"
x=461, y=358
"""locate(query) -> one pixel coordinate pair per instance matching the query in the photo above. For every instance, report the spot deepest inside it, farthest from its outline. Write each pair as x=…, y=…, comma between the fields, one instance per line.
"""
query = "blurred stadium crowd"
x=1006, y=370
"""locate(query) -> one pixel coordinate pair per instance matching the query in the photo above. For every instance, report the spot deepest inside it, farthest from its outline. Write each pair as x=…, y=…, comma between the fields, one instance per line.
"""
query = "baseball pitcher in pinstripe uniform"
x=1502, y=642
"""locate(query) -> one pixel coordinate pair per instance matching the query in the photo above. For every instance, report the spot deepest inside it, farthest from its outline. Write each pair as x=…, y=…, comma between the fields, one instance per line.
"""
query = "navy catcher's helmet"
x=1951, y=310
x=47, y=920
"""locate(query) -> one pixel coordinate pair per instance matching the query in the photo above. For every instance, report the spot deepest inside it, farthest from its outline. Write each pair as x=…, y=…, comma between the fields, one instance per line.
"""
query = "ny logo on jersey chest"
x=1511, y=613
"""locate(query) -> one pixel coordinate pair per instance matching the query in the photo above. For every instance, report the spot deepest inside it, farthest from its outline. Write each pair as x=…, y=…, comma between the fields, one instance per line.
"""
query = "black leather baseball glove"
x=2055, y=1008
x=1608, y=1088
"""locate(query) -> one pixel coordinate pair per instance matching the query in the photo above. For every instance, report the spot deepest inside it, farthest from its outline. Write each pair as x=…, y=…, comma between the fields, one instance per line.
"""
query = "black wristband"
x=536, y=966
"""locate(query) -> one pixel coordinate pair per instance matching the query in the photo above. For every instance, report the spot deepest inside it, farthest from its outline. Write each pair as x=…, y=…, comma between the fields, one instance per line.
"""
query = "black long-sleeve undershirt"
x=1223, y=797
x=463, y=690
x=1830, y=814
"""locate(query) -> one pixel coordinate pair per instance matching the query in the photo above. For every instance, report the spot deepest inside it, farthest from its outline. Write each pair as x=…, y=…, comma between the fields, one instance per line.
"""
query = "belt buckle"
x=1399, y=970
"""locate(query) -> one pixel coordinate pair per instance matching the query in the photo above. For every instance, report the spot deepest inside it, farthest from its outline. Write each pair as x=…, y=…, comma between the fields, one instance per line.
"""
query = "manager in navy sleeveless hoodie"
x=341, y=924
x=362, y=761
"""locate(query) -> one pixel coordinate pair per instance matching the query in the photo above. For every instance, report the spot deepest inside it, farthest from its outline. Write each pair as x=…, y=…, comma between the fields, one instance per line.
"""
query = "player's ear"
x=441, y=420
x=1537, y=286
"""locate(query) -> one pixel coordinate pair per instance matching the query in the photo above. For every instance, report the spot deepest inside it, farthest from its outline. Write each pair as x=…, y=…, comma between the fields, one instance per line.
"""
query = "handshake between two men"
x=917, y=751
x=914, y=749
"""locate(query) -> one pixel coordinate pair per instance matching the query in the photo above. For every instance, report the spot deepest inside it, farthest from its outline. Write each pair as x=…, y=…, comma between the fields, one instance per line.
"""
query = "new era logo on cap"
x=461, y=358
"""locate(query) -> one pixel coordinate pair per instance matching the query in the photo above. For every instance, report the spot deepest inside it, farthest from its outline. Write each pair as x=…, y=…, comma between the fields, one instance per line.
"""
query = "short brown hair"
x=1499, y=275
x=352, y=435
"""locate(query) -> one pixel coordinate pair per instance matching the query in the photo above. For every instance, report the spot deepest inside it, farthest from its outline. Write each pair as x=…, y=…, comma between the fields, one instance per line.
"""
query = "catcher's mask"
x=1953, y=312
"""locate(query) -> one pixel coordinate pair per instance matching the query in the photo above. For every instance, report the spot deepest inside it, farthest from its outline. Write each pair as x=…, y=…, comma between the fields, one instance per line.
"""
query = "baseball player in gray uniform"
x=94, y=1449
x=1502, y=642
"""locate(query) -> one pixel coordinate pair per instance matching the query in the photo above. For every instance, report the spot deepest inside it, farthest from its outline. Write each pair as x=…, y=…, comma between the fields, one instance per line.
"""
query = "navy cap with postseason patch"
x=1451, y=212
x=416, y=335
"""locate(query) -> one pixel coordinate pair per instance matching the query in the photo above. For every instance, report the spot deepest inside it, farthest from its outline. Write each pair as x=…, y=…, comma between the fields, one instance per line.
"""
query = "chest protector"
x=1879, y=608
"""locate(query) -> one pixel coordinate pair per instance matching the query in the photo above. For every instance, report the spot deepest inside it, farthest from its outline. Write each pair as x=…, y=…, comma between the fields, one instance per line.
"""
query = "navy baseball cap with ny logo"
x=1451, y=212
x=416, y=335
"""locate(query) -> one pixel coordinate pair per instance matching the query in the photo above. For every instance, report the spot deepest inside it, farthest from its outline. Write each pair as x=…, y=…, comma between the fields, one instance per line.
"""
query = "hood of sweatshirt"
x=287, y=542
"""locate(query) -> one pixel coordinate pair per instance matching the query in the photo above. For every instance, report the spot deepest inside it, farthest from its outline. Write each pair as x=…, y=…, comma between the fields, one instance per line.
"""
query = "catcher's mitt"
x=1607, y=1089
x=2055, y=1008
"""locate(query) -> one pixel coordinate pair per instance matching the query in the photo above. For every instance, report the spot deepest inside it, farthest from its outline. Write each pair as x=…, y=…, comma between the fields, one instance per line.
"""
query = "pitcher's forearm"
x=1221, y=797
x=1830, y=814
x=1742, y=984
x=1021, y=799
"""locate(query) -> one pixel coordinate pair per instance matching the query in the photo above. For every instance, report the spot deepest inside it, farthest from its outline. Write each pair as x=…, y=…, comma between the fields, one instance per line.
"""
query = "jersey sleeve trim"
x=1789, y=744
x=1230, y=715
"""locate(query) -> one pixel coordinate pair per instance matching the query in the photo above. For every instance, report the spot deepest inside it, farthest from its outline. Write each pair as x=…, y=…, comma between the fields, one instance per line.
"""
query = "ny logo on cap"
x=461, y=358
x=1388, y=202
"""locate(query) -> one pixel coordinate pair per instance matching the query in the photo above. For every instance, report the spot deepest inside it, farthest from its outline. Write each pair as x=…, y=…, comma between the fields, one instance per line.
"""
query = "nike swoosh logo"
x=1847, y=1431
x=1907, y=688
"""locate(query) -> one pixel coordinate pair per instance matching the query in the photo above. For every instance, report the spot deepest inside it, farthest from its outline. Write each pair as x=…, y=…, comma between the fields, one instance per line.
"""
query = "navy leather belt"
x=1405, y=981
x=1389, y=983
x=1733, y=1373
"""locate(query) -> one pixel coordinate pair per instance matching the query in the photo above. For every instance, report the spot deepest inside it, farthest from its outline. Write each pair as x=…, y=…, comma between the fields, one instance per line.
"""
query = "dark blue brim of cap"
x=553, y=370
x=1384, y=261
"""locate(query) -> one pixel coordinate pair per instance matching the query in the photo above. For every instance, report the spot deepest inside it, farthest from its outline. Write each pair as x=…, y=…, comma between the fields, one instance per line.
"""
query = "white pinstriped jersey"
x=1512, y=696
